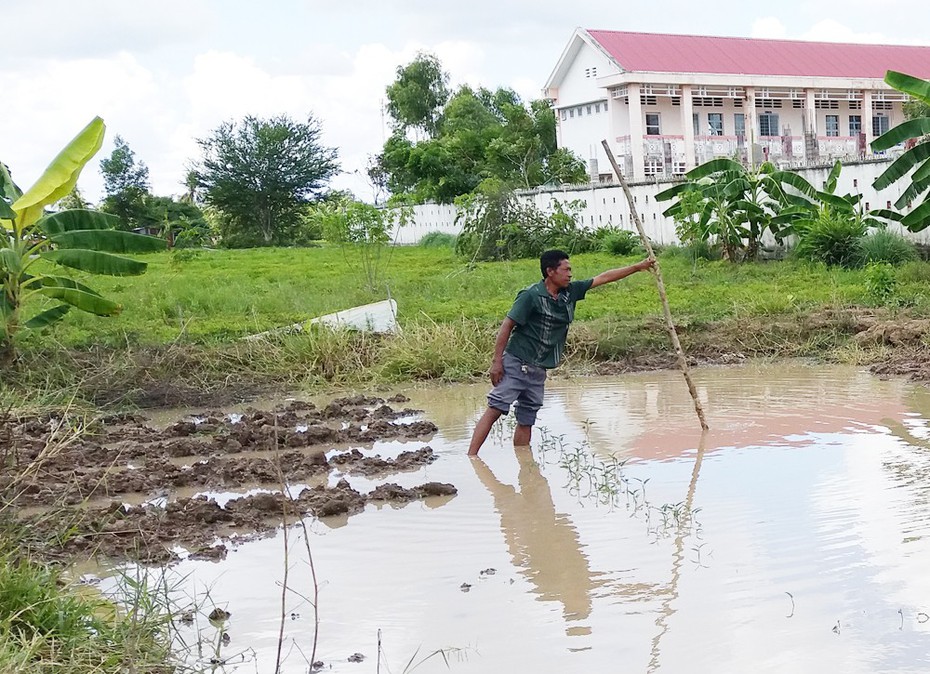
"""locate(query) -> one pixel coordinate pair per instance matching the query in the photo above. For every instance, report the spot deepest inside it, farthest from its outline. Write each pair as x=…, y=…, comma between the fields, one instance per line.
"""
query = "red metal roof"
x=652, y=52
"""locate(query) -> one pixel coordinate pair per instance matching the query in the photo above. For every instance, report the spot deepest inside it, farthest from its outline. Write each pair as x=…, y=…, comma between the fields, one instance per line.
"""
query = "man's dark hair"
x=551, y=259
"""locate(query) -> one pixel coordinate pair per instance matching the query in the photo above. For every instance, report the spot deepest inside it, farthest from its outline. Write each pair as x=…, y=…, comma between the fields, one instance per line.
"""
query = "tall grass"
x=886, y=246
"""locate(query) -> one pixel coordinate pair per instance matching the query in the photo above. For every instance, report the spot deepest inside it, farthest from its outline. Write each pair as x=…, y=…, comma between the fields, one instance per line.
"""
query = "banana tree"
x=736, y=205
x=804, y=205
x=916, y=159
x=33, y=243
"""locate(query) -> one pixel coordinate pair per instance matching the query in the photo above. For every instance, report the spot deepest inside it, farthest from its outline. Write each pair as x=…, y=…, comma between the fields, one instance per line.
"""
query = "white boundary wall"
x=605, y=205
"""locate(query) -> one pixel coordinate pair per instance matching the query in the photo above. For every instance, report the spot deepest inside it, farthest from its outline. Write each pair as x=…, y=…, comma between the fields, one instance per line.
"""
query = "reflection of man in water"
x=543, y=543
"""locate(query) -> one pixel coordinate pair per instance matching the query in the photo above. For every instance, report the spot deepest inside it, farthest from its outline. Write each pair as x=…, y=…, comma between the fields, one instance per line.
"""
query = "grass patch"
x=179, y=335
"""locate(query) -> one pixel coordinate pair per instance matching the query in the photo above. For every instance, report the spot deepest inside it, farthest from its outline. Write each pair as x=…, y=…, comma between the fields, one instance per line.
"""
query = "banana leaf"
x=47, y=317
x=63, y=282
x=714, y=166
x=10, y=261
x=918, y=219
x=913, y=128
x=109, y=240
x=95, y=262
x=61, y=175
x=93, y=304
x=922, y=172
x=913, y=191
x=70, y=220
x=913, y=86
x=902, y=165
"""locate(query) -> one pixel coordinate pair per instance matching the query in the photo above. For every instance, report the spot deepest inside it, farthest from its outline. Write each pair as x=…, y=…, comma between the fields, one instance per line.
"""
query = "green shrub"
x=886, y=246
x=880, y=281
x=497, y=225
x=437, y=240
x=620, y=242
x=832, y=240
x=699, y=250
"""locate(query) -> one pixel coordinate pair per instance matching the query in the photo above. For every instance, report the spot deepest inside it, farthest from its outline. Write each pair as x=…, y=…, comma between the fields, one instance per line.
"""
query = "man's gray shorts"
x=523, y=386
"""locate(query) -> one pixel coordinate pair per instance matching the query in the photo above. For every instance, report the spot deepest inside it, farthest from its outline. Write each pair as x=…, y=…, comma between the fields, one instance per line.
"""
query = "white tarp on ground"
x=379, y=317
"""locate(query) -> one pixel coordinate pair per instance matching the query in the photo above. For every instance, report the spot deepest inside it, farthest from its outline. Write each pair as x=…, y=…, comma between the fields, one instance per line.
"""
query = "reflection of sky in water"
x=814, y=501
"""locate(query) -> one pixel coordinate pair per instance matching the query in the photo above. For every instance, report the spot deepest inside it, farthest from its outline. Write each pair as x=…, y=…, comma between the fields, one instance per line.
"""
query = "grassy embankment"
x=178, y=339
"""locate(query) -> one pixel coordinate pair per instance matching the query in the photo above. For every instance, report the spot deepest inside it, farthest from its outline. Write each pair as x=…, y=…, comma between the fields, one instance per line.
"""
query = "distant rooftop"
x=655, y=52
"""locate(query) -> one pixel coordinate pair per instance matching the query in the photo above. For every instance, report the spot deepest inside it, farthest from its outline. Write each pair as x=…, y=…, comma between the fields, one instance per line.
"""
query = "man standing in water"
x=531, y=340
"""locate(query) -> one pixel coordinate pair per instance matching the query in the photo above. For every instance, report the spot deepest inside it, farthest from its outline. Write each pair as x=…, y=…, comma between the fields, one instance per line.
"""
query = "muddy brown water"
x=793, y=538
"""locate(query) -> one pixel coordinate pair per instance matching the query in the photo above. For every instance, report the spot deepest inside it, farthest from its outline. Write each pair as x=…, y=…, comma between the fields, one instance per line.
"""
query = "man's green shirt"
x=542, y=322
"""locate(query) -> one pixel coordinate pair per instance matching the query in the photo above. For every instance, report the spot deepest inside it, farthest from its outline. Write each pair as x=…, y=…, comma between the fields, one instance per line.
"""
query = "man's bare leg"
x=482, y=428
x=521, y=436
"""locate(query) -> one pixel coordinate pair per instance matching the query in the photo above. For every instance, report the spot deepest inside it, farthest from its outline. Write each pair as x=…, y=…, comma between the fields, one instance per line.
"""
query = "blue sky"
x=162, y=74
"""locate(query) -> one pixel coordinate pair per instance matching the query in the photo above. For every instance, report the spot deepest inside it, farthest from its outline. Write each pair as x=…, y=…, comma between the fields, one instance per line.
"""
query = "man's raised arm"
x=612, y=275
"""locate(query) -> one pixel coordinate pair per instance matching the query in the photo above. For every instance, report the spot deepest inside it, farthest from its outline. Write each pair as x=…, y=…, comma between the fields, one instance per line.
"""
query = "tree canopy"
x=260, y=173
x=416, y=97
x=478, y=134
x=126, y=183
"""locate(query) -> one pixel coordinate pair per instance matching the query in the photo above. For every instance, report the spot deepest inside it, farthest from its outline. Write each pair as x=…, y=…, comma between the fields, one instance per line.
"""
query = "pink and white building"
x=667, y=103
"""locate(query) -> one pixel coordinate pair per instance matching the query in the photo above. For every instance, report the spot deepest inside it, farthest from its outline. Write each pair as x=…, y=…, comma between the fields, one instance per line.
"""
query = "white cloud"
x=57, y=28
x=769, y=28
x=47, y=104
x=830, y=30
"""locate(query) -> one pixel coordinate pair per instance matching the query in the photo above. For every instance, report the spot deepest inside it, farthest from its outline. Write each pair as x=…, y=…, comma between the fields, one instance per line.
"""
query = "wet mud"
x=80, y=476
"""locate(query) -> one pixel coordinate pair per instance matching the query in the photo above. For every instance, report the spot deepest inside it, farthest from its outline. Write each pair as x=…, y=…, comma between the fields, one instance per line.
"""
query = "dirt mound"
x=80, y=472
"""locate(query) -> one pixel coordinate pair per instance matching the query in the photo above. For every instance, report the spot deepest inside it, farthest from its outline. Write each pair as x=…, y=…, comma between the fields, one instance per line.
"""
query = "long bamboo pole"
x=670, y=324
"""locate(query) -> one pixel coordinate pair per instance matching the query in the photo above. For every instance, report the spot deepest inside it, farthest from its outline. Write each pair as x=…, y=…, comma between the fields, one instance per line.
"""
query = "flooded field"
x=792, y=537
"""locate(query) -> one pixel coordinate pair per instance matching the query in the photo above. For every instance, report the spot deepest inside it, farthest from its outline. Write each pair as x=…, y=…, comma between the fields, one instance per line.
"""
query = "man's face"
x=561, y=276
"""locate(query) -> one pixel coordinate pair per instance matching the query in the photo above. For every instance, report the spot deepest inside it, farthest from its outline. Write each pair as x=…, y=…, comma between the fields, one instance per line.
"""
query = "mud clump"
x=84, y=475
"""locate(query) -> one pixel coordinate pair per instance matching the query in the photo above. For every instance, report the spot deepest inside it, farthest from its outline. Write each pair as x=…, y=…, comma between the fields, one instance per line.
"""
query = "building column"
x=637, y=150
x=810, y=112
x=867, y=113
x=687, y=124
x=811, y=143
x=752, y=125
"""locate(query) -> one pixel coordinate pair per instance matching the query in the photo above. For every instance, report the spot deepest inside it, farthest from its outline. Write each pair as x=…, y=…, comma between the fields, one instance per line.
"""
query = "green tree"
x=416, y=97
x=126, y=183
x=481, y=135
x=364, y=228
x=77, y=239
x=260, y=173
x=73, y=199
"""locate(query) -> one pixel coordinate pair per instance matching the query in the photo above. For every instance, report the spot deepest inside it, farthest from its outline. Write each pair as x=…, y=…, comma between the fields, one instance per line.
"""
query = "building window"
x=589, y=109
x=881, y=105
x=768, y=103
x=563, y=115
x=648, y=100
x=880, y=125
x=696, y=120
x=855, y=125
x=826, y=104
x=739, y=124
x=855, y=105
x=768, y=124
x=571, y=112
x=797, y=104
x=653, y=166
x=833, y=125
x=715, y=123
x=652, y=124
x=597, y=107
